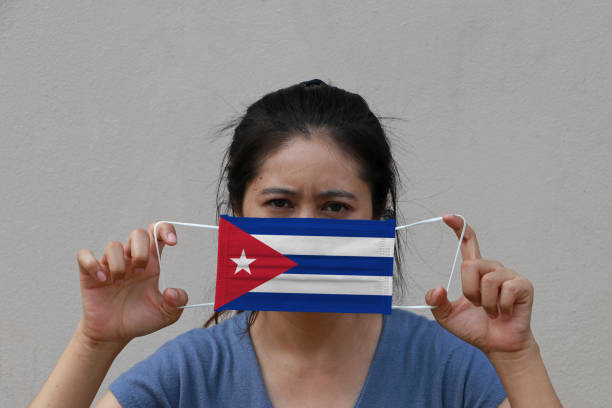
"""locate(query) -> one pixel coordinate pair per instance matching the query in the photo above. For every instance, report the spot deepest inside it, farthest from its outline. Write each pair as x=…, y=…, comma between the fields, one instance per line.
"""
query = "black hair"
x=302, y=109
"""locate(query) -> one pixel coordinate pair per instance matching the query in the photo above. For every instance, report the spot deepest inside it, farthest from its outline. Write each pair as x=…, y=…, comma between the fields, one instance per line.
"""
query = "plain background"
x=108, y=119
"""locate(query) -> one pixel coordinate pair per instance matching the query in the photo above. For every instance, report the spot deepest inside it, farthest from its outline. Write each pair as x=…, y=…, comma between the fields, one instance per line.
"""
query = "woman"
x=310, y=150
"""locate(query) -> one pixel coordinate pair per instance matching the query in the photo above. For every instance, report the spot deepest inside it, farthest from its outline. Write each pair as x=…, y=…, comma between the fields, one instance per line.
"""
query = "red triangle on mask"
x=233, y=278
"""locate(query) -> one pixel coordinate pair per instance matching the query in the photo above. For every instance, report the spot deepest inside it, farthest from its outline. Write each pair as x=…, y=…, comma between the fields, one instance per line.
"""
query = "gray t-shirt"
x=416, y=364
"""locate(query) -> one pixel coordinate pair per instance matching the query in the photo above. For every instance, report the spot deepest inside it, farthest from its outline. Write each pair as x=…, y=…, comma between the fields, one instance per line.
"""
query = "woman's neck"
x=319, y=337
x=315, y=359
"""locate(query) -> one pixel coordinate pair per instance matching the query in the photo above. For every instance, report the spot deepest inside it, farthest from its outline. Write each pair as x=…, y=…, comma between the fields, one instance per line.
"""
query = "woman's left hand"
x=494, y=312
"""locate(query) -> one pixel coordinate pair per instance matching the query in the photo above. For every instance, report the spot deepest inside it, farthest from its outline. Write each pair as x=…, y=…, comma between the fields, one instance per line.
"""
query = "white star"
x=243, y=263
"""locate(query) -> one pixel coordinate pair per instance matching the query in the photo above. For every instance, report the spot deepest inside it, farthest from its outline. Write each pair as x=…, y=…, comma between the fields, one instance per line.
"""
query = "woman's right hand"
x=120, y=294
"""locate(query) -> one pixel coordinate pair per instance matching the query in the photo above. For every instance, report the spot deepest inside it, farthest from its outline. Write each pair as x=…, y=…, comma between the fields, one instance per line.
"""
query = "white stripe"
x=328, y=284
x=329, y=246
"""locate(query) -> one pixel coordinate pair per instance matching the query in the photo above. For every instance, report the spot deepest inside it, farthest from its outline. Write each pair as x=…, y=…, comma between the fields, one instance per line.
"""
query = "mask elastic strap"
x=162, y=281
x=450, y=279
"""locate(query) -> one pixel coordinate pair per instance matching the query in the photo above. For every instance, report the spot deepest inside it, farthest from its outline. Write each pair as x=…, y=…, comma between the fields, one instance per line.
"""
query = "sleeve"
x=467, y=368
x=153, y=382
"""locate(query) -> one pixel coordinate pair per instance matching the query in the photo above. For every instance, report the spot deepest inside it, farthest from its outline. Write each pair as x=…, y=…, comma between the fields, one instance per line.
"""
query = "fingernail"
x=101, y=276
x=138, y=271
x=171, y=237
x=172, y=294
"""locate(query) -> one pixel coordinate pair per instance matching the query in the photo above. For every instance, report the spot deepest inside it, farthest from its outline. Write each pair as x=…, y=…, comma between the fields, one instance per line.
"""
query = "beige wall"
x=108, y=113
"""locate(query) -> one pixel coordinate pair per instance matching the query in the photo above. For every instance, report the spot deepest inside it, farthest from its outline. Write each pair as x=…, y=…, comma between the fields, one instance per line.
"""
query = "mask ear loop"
x=162, y=281
x=450, y=279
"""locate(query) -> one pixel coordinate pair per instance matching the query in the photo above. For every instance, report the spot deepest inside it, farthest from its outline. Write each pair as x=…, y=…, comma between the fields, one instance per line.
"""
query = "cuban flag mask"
x=305, y=264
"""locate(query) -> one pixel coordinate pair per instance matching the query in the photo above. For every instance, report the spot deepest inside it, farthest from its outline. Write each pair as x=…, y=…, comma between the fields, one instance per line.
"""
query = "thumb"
x=172, y=299
x=442, y=306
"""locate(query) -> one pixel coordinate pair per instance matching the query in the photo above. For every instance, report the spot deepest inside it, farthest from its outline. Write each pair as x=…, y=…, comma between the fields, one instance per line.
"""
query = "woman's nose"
x=306, y=212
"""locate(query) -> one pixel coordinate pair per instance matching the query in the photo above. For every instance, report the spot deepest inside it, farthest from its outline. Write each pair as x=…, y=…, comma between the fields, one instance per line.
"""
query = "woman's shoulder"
x=410, y=324
x=216, y=344
x=188, y=367
x=201, y=347
x=422, y=361
x=419, y=334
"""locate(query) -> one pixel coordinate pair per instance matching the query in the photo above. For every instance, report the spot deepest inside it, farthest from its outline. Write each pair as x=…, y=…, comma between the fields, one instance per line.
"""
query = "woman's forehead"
x=301, y=153
x=313, y=162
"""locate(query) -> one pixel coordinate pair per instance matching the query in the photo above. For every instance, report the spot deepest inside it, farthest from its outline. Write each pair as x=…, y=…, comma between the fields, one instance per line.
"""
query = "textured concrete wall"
x=107, y=119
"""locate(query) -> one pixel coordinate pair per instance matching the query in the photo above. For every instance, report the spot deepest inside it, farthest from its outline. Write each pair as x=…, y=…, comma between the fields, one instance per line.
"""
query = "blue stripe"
x=341, y=265
x=298, y=302
x=314, y=227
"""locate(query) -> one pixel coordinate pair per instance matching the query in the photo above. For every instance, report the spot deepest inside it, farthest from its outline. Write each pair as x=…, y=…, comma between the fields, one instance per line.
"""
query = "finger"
x=166, y=235
x=472, y=270
x=442, y=306
x=514, y=291
x=89, y=266
x=469, y=245
x=172, y=299
x=470, y=281
x=490, y=288
x=113, y=258
x=137, y=249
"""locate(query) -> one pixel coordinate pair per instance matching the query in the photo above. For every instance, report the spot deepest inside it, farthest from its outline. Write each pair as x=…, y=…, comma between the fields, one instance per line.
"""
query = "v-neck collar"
x=248, y=344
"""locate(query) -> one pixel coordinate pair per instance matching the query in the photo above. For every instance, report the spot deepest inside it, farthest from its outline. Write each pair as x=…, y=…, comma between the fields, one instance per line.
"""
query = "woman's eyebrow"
x=278, y=190
x=337, y=193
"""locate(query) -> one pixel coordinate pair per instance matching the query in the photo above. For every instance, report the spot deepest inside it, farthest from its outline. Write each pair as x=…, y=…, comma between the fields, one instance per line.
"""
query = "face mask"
x=306, y=264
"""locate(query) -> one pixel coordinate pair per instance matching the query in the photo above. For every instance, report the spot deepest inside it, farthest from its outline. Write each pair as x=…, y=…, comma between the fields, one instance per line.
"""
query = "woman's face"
x=308, y=178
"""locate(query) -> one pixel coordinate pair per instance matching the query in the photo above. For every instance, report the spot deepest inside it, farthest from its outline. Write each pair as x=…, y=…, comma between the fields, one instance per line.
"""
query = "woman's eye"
x=335, y=207
x=279, y=203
